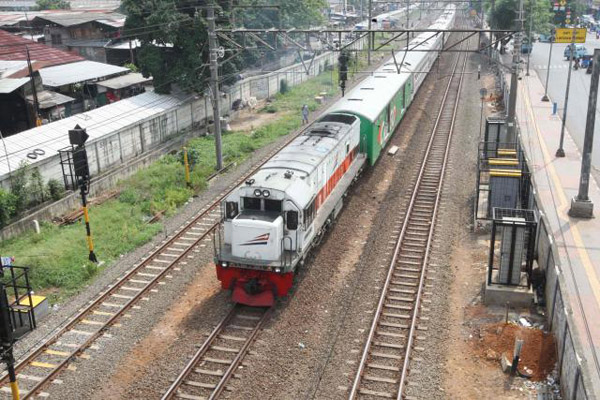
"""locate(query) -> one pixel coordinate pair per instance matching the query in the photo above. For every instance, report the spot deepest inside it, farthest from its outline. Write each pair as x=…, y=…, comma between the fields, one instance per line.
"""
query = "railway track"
x=41, y=365
x=384, y=365
x=207, y=373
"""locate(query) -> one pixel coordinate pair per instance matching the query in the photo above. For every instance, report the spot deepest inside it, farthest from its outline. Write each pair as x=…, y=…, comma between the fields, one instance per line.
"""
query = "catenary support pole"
x=370, y=34
x=546, y=98
x=214, y=82
x=529, y=44
x=560, y=152
x=514, y=81
x=581, y=205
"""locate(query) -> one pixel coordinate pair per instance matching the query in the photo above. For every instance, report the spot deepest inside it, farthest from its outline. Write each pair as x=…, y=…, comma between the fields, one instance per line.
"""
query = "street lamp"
x=546, y=98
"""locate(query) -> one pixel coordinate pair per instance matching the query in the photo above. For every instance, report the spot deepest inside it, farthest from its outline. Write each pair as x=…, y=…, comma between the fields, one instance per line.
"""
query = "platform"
x=577, y=240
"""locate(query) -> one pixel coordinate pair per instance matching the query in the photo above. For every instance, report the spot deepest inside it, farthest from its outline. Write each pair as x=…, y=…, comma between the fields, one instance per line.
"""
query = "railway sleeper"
x=376, y=393
x=209, y=372
x=374, y=378
x=200, y=384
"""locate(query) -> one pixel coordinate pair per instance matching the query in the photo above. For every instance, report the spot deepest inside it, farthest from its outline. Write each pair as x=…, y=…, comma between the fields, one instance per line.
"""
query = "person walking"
x=304, y=114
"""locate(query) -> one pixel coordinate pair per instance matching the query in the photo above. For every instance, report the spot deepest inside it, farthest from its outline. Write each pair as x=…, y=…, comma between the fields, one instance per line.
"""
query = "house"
x=93, y=35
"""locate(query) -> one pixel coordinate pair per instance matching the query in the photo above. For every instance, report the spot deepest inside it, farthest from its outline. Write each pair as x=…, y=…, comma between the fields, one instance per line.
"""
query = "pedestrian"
x=304, y=114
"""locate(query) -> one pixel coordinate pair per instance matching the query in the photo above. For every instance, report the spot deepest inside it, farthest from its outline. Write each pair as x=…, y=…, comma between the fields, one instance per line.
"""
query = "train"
x=273, y=219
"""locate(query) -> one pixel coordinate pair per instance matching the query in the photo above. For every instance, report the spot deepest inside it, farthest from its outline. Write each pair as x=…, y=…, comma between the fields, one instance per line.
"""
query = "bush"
x=56, y=189
x=19, y=188
x=8, y=207
x=129, y=196
x=283, y=87
x=38, y=190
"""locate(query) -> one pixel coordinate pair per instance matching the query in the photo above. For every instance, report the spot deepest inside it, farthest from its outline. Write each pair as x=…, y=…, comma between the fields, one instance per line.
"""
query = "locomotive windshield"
x=267, y=205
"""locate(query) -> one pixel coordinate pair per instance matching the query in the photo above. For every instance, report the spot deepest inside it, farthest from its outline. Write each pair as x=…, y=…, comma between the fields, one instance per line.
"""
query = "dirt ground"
x=247, y=120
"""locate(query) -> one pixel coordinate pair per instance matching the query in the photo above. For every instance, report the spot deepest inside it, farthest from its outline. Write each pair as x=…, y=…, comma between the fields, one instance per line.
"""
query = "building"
x=93, y=35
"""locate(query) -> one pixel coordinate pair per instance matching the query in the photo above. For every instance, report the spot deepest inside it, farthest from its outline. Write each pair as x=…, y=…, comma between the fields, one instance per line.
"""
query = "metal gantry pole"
x=560, y=152
x=546, y=98
x=214, y=82
x=370, y=34
x=530, y=45
x=514, y=81
x=582, y=206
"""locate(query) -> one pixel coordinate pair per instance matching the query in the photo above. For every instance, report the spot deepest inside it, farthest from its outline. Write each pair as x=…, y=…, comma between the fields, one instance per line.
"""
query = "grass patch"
x=58, y=256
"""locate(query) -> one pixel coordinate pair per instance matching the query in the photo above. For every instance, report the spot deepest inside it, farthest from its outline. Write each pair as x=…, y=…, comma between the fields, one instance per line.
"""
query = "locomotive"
x=271, y=221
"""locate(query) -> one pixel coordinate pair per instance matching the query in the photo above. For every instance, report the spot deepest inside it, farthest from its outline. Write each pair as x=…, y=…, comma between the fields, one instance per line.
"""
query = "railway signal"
x=77, y=137
x=343, y=66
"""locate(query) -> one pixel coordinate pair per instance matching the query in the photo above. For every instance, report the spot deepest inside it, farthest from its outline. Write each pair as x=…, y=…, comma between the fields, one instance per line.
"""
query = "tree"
x=173, y=35
x=53, y=5
x=505, y=12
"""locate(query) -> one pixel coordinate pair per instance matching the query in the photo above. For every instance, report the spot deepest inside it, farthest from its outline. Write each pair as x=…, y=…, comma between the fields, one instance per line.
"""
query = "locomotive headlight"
x=257, y=193
x=224, y=264
x=277, y=270
x=266, y=193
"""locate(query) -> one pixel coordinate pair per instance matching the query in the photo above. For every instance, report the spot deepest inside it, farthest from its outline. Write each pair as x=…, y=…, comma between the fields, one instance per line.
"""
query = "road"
x=579, y=92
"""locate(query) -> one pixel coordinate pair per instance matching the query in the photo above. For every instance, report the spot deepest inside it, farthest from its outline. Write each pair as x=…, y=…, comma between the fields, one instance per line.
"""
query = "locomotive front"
x=261, y=237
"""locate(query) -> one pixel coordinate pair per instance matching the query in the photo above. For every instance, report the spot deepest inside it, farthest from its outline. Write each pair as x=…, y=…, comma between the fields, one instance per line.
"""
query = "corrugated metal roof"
x=14, y=48
x=67, y=19
x=99, y=122
x=10, y=85
x=49, y=99
x=123, y=81
x=78, y=72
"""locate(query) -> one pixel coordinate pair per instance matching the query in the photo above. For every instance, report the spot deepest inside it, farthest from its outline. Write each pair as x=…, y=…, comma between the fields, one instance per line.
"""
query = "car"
x=580, y=51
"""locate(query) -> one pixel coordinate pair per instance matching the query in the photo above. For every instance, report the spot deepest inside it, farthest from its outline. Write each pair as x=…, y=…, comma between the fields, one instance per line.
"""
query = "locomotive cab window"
x=231, y=209
x=309, y=214
x=273, y=205
x=292, y=220
x=251, y=203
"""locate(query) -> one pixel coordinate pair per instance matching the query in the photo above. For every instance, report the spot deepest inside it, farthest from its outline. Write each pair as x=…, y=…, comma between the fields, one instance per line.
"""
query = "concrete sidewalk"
x=577, y=240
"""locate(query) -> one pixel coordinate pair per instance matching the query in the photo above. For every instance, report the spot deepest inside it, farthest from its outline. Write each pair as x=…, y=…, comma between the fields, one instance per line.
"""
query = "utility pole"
x=7, y=158
x=370, y=34
x=514, y=80
x=36, y=104
x=530, y=44
x=546, y=98
x=560, y=152
x=581, y=205
x=214, y=82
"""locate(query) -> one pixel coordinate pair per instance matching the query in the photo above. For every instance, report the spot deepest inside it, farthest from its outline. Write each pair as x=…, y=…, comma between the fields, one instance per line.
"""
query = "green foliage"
x=283, y=86
x=505, y=12
x=19, y=186
x=56, y=189
x=37, y=189
x=132, y=67
x=52, y=5
x=8, y=206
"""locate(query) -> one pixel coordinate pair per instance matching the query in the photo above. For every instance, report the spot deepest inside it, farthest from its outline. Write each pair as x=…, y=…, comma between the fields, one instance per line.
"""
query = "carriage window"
x=251, y=203
x=273, y=205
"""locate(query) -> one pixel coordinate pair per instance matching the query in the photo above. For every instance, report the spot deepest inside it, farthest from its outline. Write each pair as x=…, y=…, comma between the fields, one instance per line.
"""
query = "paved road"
x=578, y=95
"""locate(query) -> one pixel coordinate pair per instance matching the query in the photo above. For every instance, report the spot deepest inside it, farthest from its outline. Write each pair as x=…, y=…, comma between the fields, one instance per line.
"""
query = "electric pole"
x=560, y=152
x=370, y=34
x=546, y=98
x=581, y=205
x=514, y=80
x=214, y=82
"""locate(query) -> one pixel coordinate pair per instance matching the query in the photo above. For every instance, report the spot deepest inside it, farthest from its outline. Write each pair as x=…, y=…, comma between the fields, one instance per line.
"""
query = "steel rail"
x=201, y=353
x=384, y=292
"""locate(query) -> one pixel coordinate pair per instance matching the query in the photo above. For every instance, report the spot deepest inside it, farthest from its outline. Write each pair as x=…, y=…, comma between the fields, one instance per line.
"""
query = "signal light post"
x=77, y=138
